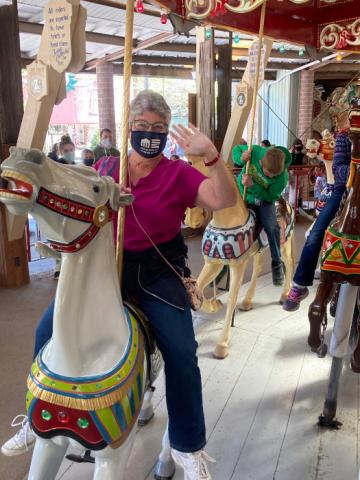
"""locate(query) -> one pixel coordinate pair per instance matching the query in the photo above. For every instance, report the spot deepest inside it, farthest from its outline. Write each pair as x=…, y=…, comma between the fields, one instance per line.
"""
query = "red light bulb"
x=163, y=18
x=139, y=7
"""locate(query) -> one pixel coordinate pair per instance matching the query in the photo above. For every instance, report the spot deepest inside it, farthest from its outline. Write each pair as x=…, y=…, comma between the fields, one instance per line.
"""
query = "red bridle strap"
x=96, y=217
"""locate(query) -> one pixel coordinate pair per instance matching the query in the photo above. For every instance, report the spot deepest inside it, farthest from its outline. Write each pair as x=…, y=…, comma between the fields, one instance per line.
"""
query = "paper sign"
x=58, y=25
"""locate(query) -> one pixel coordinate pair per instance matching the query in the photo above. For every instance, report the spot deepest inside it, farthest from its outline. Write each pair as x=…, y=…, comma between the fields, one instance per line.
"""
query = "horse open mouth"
x=19, y=186
x=354, y=118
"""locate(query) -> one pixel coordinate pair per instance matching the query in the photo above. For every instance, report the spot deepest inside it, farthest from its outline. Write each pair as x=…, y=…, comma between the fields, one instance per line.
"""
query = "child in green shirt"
x=266, y=180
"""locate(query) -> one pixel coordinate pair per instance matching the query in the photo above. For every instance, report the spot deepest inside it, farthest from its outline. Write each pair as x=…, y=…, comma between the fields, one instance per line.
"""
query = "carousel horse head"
x=339, y=107
x=327, y=146
x=63, y=198
x=312, y=148
x=354, y=115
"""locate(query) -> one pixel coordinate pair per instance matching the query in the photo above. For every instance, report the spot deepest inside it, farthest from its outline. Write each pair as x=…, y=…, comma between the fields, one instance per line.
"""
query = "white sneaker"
x=22, y=441
x=194, y=464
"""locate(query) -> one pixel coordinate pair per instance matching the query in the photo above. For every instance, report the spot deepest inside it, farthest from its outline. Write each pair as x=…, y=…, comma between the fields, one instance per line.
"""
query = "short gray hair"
x=149, y=101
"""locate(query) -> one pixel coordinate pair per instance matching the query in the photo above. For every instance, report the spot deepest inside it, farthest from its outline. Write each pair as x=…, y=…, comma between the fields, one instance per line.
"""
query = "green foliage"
x=95, y=140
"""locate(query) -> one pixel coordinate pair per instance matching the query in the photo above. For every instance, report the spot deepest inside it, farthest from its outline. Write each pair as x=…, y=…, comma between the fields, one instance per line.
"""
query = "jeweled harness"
x=96, y=217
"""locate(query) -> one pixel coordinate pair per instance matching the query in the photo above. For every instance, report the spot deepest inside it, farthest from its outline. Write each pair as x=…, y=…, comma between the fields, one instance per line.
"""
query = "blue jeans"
x=305, y=271
x=266, y=213
x=175, y=337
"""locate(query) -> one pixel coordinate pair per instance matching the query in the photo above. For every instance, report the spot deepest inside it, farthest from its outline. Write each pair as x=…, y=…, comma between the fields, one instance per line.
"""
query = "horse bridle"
x=96, y=217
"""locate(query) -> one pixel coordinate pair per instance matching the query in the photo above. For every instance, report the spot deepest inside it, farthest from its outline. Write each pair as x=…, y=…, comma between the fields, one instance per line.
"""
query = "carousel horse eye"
x=96, y=189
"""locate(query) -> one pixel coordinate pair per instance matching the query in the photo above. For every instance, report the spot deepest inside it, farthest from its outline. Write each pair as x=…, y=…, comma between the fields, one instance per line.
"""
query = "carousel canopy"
x=324, y=24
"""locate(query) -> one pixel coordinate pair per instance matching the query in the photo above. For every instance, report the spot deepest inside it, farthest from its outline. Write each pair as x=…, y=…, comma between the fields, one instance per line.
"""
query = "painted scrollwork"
x=201, y=9
x=336, y=36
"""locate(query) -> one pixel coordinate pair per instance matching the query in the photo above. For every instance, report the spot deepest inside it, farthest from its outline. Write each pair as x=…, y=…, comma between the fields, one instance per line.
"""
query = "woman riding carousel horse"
x=163, y=190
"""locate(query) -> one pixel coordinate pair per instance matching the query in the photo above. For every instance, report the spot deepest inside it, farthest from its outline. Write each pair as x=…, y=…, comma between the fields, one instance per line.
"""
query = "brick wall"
x=105, y=86
x=306, y=103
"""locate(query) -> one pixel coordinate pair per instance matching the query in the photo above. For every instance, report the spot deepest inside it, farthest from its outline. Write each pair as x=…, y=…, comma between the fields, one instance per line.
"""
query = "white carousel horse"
x=87, y=385
x=229, y=240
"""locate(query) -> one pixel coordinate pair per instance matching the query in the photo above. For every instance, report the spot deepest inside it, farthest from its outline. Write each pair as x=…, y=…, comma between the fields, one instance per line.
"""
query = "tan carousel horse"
x=231, y=239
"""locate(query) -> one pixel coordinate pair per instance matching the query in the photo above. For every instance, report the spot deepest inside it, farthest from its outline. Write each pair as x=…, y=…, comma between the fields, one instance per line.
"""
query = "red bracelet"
x=216, y=159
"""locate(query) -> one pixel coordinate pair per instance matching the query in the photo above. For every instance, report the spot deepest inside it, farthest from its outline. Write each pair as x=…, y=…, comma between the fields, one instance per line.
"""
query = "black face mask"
x=88, y=162
x=148, y=144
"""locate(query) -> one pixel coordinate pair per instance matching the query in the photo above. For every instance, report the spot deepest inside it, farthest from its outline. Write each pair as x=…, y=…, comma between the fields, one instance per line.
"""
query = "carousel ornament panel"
x=343, y=35
x=201, y=9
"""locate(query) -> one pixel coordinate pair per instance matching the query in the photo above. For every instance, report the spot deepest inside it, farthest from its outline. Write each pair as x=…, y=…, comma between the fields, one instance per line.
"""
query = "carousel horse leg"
x=289, y=262
x=317, y=312
x=209, y=272
x=247, y=303
x=237, y=271
x=355, y=357
x=47, y=458
x=338, y=349
x=110, y=464
x=165, y=466
x=147, y=409
x=334, y=301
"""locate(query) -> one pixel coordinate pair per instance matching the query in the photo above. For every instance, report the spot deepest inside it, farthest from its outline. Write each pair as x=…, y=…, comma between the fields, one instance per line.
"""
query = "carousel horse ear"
x=35, y=156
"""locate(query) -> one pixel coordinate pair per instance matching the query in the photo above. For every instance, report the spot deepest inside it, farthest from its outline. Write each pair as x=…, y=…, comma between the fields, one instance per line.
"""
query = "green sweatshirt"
x=264, y=188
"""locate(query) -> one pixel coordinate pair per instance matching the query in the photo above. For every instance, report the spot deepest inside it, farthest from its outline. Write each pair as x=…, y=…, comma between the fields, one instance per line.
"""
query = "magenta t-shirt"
x=161, y=199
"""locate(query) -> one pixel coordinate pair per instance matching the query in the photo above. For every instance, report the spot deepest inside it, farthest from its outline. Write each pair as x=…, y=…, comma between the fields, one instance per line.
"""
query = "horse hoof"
x=221, y=352
x=283, y=298
x=322, y=351
x=246, y=306
x=164, y=470
x=211, y=306
x=145, y=417
x=355, y=365
x=316, y=314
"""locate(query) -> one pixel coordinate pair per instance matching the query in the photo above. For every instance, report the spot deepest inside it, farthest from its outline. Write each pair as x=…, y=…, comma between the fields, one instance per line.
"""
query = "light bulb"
x=139, y=6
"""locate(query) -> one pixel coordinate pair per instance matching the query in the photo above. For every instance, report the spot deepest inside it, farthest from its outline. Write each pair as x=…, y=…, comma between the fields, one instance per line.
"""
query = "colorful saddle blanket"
x=95, y=411
x=225, y=244
x=340, y=253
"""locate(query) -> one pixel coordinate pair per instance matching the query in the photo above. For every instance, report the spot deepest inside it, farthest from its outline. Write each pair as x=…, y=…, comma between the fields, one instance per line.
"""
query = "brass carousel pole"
x=125, y=128
x=256, y=87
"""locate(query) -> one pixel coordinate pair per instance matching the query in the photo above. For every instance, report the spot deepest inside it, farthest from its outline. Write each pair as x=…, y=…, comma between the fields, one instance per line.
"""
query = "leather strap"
x=96, y=217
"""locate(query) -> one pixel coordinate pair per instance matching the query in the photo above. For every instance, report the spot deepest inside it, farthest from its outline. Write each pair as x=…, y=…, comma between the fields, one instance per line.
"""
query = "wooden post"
x=242, y=107
x=14, y=271
x=205, y=85
x=62, y=49
x=223, y=100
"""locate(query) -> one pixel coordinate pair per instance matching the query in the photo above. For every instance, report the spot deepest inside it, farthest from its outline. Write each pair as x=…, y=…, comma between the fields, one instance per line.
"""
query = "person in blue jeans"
x=305, y=271
x=163, y=189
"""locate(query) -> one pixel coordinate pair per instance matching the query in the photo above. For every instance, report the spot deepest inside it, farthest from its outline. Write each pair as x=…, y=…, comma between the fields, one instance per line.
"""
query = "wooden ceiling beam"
x=176, y=72
x=151, y=12
x=319, y=75
x=341, y=67
x=163, y=60
x=120, y=53
x=93, y=37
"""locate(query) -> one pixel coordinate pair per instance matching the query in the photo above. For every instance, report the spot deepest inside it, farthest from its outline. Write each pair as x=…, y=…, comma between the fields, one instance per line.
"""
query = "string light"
x=282, y=49
x=301, y=52
x=208, y=33
x=163, y=18
x=339, y=57
x=139, y=6
x=236, y=38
